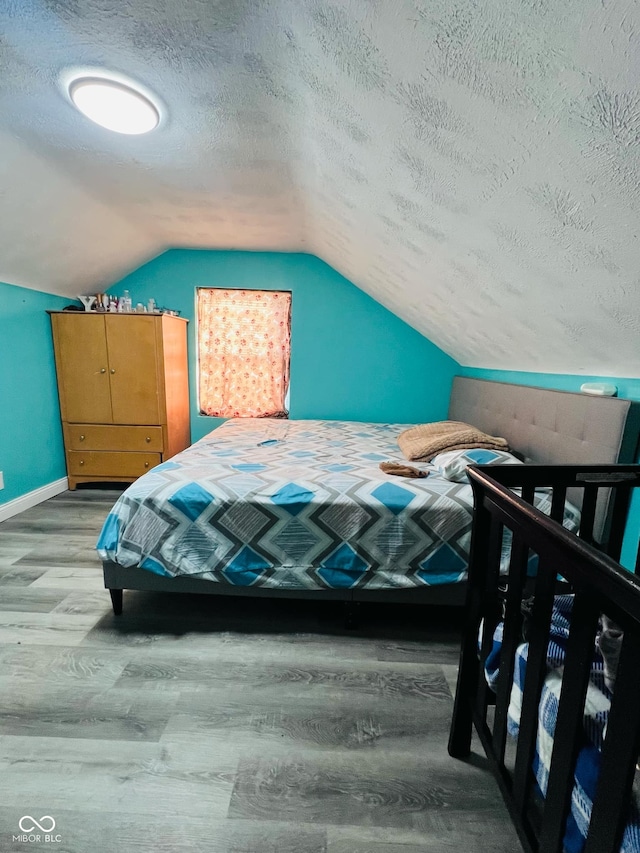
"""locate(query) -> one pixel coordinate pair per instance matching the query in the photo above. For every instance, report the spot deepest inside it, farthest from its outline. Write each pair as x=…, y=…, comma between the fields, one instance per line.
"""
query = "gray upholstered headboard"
x=551, y=427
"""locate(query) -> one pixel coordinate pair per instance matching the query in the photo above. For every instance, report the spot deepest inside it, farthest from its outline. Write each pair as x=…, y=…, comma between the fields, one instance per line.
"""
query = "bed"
x=549, y=672
x=301, y=509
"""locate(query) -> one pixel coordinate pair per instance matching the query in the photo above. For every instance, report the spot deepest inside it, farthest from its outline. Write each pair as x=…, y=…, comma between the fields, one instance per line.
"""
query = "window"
x=244, y=342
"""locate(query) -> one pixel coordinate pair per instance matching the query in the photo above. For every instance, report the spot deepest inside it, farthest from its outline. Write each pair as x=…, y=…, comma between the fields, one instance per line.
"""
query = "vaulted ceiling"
x=474, y=166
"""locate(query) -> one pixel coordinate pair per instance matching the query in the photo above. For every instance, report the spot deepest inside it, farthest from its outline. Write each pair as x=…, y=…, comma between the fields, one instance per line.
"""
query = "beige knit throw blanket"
x=425, y=441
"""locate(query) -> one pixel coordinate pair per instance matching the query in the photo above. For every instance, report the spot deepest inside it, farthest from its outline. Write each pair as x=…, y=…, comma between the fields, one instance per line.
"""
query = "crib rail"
x=599, y=585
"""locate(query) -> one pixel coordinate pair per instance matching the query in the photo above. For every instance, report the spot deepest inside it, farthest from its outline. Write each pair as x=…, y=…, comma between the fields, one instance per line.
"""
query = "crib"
x=546, y=560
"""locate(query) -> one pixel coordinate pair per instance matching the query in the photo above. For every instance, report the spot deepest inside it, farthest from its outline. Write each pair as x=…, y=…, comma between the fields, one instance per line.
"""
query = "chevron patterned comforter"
x=293, y=505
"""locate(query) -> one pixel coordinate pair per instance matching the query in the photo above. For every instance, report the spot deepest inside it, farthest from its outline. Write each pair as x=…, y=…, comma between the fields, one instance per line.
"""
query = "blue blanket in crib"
x=597, y=707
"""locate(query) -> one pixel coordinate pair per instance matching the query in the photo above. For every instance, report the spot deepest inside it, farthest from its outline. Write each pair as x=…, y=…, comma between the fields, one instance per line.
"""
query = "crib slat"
x=568, y=731
x=491, y=610
x=588, y=513
x=619, y=753
x=535, y=674
x=618, y=522
x=469, y=668
x=510, y=639
x=557, y=503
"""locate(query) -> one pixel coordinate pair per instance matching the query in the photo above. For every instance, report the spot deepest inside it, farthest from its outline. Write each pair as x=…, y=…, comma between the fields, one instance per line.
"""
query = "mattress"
x=293, y=505
x=597, y=705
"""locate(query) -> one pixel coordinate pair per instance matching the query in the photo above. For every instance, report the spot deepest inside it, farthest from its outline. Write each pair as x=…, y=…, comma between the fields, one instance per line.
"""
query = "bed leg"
x=116, y=600
x=351, y=613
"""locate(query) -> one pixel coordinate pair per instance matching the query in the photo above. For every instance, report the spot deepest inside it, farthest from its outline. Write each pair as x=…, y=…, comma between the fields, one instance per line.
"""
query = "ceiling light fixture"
x=113, y=105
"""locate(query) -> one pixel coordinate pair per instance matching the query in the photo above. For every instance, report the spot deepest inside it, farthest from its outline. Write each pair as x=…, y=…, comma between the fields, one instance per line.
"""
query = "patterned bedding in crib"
x=596, y=713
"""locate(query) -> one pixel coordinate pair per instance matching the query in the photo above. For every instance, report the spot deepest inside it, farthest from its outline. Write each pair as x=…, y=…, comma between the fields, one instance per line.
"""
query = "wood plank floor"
x=192, y=723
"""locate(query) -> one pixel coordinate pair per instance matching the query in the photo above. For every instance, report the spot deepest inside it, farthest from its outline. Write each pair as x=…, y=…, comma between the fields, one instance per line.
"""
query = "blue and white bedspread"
x=597, y=705
x=294, y=505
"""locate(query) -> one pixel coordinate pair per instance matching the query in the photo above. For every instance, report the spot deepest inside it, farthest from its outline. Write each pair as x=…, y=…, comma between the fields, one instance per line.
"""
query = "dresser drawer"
x=95, y=463
x=96, y=437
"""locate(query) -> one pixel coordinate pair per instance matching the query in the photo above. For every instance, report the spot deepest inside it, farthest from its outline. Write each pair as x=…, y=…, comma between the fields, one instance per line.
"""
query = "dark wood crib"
x=566, y=562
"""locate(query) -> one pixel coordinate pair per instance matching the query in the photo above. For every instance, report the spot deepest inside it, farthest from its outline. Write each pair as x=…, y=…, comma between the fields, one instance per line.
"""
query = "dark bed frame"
x=600, y=585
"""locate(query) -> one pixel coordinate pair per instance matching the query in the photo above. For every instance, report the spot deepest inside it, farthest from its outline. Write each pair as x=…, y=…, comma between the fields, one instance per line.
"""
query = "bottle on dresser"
x=125, y=305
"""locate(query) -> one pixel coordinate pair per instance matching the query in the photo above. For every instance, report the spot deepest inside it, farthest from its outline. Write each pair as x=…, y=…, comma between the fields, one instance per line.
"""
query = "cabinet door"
x=133, y=369
x=83, y=368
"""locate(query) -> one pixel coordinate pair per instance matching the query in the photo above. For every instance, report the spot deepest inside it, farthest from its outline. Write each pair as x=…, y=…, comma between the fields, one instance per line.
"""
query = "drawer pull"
x=146, y=464
x=82, y=461
x=148, y=439
x=113, y=370
x=81, y=438
x=103, y=370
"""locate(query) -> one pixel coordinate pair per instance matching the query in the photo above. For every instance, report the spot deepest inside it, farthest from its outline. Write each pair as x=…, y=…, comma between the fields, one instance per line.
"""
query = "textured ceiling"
x=474, y=165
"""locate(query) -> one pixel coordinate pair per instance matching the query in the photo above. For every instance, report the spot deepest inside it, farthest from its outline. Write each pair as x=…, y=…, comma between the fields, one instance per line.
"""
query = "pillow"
x=453, y=465
x=427, y=440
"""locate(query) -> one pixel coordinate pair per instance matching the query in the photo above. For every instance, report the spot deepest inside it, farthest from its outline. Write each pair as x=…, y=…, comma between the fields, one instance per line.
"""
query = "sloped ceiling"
x=474, y=165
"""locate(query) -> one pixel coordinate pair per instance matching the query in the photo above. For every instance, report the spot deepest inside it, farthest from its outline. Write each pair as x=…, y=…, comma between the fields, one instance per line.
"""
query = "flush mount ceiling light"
x=114, y=105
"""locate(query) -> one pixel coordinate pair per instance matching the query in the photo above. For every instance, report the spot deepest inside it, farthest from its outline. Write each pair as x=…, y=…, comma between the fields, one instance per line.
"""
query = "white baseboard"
x=33, y=498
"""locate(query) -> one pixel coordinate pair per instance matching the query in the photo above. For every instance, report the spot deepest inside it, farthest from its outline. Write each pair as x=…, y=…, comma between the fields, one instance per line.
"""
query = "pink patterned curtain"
x=244, y=343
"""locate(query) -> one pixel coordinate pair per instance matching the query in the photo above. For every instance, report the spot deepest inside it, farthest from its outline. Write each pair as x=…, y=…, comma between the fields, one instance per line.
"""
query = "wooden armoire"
x=124, y=392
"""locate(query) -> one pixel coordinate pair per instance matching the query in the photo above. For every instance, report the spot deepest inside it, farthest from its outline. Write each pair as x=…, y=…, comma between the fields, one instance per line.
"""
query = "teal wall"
x=31, y=449
x=351, y=359
x=627, y=388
